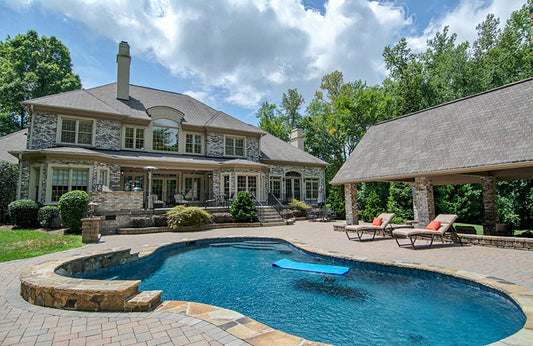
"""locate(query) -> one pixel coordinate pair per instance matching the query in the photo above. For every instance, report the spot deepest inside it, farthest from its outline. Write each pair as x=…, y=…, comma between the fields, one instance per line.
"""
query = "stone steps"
x=143, y=301
x=269, y=217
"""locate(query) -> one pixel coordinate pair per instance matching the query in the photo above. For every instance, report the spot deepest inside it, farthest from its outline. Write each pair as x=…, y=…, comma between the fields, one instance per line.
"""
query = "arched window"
x=165, y=135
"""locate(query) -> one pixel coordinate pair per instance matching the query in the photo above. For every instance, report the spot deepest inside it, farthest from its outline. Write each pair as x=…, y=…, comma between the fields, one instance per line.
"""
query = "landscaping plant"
x=243, y=208
x=182, y=216
x=23, y=213
x=300, y=206
x=8, y=187
x=48, y=217
x=73, y=207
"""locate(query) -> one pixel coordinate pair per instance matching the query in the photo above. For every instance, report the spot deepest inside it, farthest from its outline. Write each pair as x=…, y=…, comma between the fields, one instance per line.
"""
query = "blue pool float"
x=310, y=267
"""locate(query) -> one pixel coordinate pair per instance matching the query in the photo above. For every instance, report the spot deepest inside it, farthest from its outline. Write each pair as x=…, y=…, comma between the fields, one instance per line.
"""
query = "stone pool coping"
x=42, y=285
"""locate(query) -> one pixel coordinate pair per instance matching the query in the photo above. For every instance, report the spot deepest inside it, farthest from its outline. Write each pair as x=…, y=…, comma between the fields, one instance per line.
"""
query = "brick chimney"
x=123, y=71
x=297, y=138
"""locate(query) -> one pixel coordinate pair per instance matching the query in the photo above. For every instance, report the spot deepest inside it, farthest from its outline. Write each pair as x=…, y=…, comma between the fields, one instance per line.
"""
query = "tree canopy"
x=30, y=67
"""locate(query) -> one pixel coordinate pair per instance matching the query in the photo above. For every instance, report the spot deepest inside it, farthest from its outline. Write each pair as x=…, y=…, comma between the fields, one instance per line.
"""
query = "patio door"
x=171, y=188
x=165, y=188
x=193, y=188
x=293, y=185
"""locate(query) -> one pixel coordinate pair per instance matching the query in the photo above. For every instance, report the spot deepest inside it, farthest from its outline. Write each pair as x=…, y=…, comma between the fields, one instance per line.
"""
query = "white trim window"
x=311, y=189
x=193, y=143
x=134, y=138
x=76, y=131
x=248, y=183
x=68, y=179
x=103, y=176
x=165, y=134
x=234, y=146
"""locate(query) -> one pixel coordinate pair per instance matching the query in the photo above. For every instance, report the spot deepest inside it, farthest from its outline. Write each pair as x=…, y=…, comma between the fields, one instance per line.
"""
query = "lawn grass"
x=479, y=228
x=18, y=244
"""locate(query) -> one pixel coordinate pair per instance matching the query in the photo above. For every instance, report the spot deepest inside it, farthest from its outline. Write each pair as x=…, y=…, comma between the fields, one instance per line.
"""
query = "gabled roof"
x=491, y=131
x=12, y=142
x=275, y=150
x=103, y=99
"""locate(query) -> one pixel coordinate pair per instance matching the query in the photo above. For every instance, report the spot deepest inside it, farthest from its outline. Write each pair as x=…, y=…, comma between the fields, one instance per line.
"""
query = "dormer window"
x=234, y=146
x=76, y=131
x=165, y=135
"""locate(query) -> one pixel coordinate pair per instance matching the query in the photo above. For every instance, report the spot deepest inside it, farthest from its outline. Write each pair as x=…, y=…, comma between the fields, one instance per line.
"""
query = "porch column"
x=490, y=201
x=352, y=210
x=423, y=201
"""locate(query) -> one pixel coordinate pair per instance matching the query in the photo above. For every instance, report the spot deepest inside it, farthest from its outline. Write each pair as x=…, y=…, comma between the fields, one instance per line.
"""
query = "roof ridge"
x=104, y=102
x=52, y=95
x=212, y=118
x=457, y=100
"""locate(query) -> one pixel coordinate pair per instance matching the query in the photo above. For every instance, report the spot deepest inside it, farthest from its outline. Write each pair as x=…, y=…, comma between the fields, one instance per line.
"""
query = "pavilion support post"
x=352, y=210
x=423, y=201
x=490, y=201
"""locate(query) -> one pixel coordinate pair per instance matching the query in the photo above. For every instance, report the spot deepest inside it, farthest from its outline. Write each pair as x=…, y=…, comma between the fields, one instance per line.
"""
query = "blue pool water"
x=364, y=307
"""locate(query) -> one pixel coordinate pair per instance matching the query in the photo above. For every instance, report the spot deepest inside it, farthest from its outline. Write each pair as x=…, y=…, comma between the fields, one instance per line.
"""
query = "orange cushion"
x=377, y=221
x=433, y=225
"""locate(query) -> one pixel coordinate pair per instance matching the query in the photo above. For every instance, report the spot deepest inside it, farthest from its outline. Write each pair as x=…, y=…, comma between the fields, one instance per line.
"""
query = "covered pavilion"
x=484, y=138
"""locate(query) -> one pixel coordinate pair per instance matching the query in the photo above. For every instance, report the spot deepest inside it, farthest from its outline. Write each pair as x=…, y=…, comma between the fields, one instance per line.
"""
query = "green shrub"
x=299, y=205
x=73, y=207
x=23, y=213
x=372, y=208
x=8, y=188
x=49, y=217
x=221, y=217
x=243, y=208
x=182, y=216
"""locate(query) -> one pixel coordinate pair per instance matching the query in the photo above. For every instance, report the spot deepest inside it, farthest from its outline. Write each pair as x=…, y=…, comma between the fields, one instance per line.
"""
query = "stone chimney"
x=297, y=138
x=123, y=71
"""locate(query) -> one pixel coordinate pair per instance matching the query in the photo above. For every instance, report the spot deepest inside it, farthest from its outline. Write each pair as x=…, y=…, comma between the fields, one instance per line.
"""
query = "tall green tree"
x=290, y=104
x=30, y=67
x=271, y=122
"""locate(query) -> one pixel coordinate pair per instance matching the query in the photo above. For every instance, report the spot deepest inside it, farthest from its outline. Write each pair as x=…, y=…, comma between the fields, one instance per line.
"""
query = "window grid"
x=234, y=146
x=65, y=180
x=76, y=131
x=193, y=144
x=134, y=138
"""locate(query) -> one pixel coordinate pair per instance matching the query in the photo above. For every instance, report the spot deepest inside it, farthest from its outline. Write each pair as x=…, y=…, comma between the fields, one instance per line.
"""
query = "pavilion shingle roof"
x=487, y=130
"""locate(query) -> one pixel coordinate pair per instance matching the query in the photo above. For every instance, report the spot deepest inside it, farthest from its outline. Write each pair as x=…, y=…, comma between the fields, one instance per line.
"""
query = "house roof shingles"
x=12, y=142
x=476, y=133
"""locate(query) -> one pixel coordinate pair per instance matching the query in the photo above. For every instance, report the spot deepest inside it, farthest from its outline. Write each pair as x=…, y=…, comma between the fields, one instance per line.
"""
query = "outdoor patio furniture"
x=179, y=199
x=379, y=225
x=435, y=228
x=157, y=203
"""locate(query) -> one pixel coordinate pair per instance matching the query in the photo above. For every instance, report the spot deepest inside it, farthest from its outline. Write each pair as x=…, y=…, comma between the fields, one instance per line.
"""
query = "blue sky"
x=235, y=54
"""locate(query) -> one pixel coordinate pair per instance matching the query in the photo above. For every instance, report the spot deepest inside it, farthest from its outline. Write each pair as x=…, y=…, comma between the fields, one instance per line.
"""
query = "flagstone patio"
x=24, y=323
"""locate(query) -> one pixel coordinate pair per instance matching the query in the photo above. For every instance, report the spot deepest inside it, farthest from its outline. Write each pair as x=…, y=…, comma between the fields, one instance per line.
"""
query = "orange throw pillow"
x=377, y=221
x=433, y=225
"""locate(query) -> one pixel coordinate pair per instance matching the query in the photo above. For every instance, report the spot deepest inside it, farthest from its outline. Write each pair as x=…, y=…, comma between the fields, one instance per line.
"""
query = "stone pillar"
x=423, y=201
x=90, y=229
x=490, y=201
x=352, y=210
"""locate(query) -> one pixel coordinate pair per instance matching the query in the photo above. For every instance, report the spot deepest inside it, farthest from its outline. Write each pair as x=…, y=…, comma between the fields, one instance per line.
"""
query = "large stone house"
x=122, y=137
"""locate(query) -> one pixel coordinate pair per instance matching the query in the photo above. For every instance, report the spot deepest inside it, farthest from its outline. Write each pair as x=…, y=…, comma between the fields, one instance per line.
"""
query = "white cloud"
x=250, y=49
x=464, y=18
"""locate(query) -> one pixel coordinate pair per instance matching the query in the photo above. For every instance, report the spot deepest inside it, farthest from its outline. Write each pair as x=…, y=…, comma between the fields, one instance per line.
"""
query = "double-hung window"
x=234, y=146
x=134, y=138
x=247, y=183
x=193, y=143
x=311, y=189
x=76, y=131
x=68, y=179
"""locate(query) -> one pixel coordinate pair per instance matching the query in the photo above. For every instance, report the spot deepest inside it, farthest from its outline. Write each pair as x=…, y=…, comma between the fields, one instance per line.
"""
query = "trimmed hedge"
x=182, y=216
x=49, y=217
x=23, y=213
x=73, y=208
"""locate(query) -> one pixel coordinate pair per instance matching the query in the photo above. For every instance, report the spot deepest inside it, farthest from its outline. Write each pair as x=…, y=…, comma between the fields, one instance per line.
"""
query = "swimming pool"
x=371, y=305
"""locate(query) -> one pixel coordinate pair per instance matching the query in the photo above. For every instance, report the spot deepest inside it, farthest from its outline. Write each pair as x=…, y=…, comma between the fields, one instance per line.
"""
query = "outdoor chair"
x=435, y=228
x=157, y=203
x=379, y=224
x=179, y=199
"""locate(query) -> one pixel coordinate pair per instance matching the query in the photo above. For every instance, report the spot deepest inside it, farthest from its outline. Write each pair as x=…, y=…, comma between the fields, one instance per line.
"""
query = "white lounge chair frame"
x=360, y=230
x=446, y=220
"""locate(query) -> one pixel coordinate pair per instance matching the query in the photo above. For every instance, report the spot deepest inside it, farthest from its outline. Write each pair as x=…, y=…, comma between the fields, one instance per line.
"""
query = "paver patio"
x=24, y=323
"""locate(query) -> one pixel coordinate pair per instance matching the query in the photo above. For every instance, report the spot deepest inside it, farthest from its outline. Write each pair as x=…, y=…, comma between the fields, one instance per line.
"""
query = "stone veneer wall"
x=305, y=171
x=107, y=134
x=44, y=131
x=117, y=200
x=423, y=201
x=253, y=150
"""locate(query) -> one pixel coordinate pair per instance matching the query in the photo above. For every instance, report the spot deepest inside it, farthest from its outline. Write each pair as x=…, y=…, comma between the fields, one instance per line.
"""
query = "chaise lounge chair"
x=378, y=225
x=436, y=228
